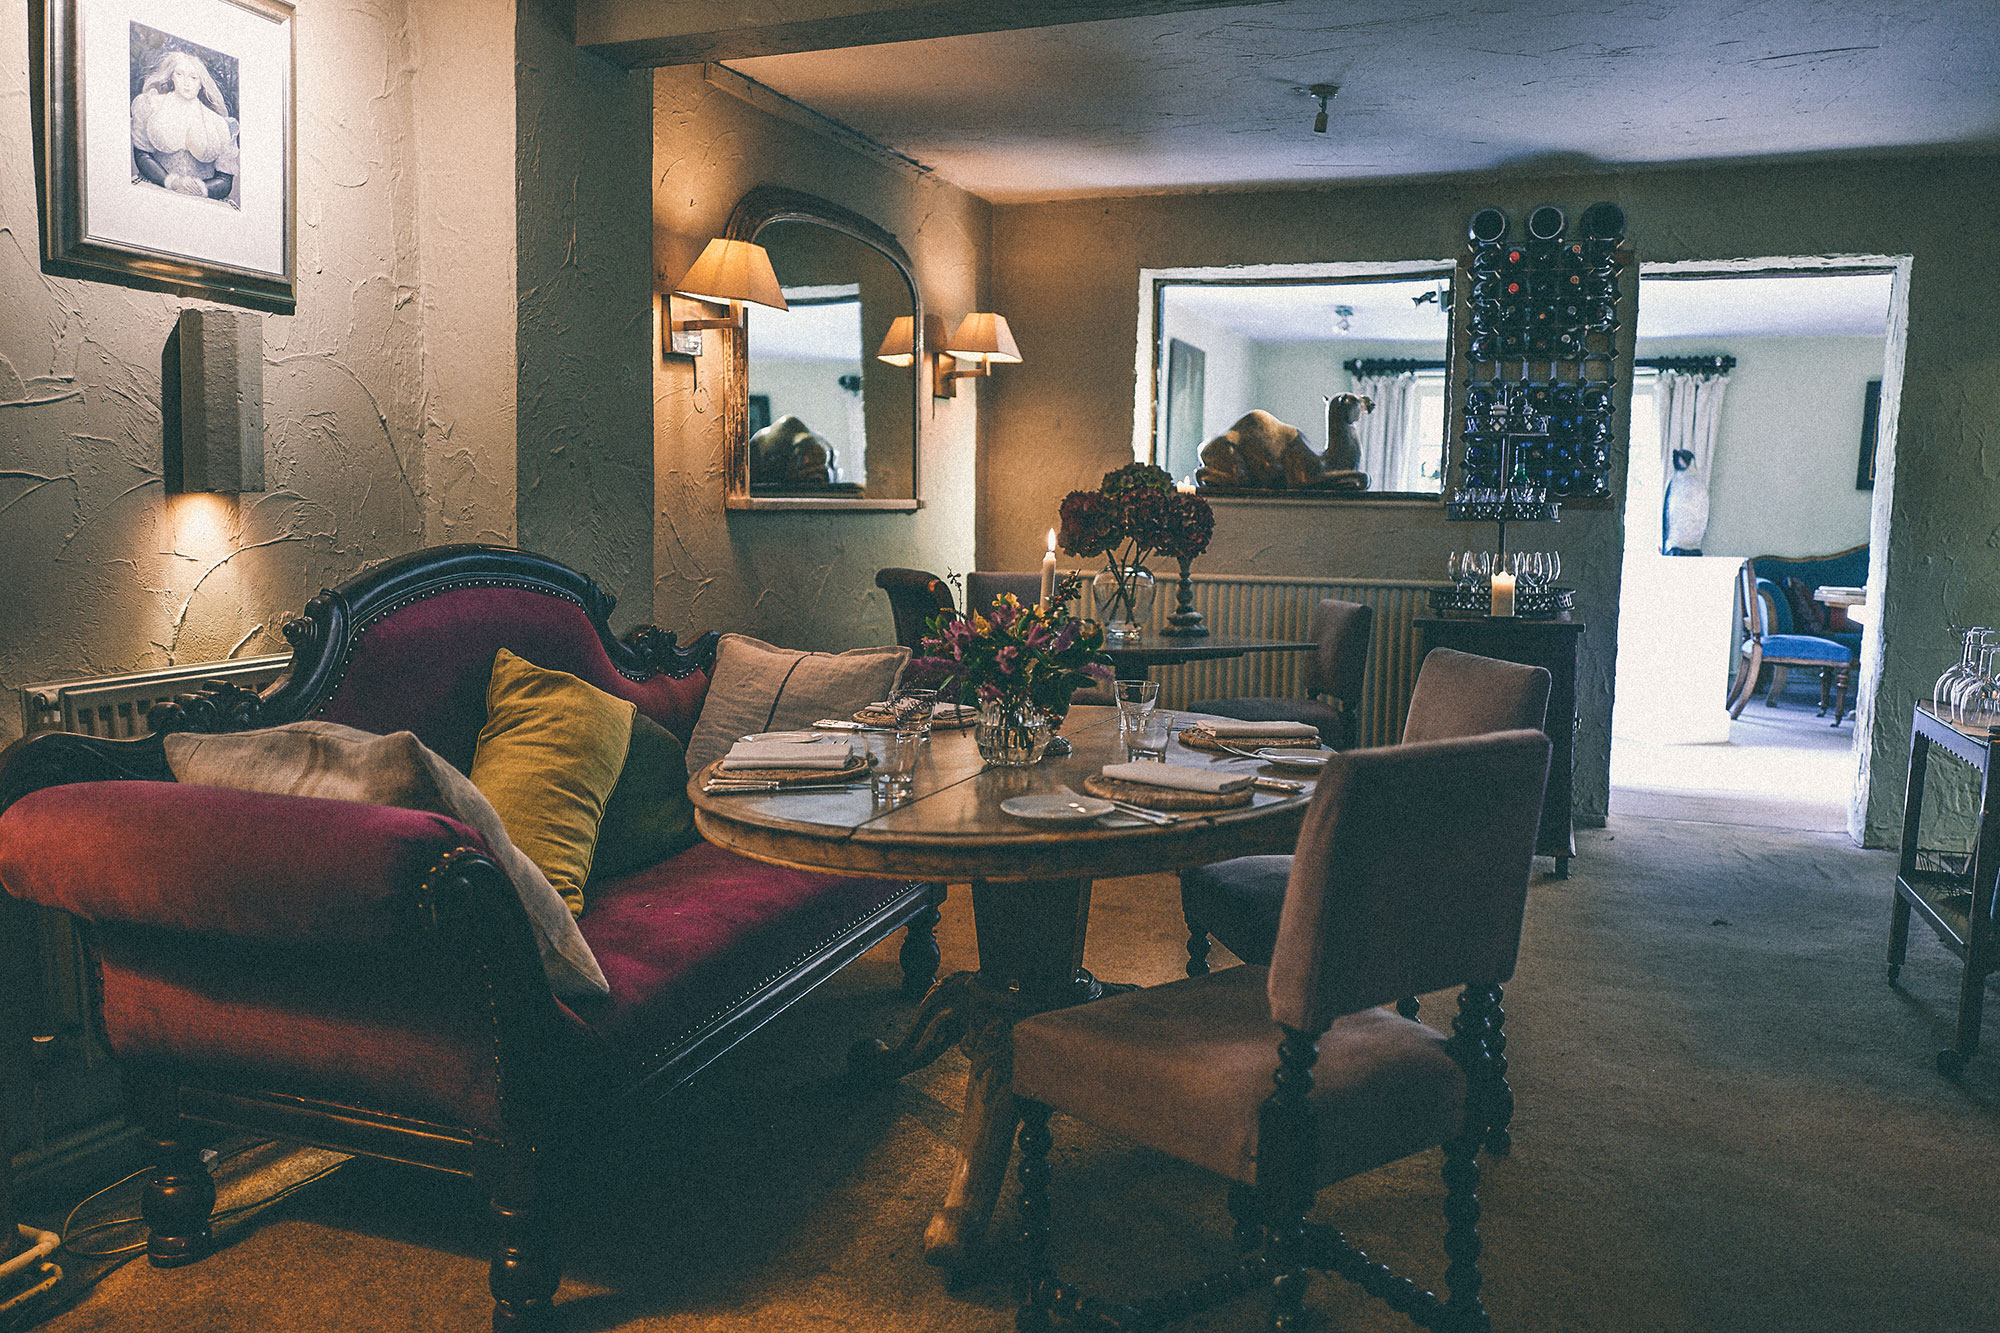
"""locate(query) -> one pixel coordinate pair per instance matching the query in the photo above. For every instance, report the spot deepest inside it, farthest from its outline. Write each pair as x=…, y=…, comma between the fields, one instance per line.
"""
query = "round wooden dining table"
x=1030, y=900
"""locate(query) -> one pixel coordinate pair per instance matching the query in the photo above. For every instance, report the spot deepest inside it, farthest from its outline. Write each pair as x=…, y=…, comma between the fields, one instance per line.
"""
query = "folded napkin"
x=1229, y=728
x=789, y=754
x=1179, y=777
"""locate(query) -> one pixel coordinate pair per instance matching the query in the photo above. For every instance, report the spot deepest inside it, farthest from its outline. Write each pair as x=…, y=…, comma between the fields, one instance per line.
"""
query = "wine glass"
x=1979, y=699
x=1979, y=665
x=1948, y=681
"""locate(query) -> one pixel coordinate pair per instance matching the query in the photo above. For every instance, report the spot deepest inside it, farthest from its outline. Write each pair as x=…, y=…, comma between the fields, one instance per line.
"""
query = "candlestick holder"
x=1185, y=622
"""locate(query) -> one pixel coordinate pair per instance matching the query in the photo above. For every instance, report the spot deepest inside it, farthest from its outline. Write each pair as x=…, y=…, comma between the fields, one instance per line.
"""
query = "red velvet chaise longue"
x=363, y=977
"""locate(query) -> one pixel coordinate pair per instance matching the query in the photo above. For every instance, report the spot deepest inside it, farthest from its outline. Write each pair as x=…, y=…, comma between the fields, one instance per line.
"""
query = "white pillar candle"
x=1186, y=487
x=1503, y=594
x=1049, y=573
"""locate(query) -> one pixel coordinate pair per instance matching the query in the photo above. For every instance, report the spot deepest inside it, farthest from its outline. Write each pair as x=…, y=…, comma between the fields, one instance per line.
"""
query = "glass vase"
x=1123, y=595
x=1012, y=733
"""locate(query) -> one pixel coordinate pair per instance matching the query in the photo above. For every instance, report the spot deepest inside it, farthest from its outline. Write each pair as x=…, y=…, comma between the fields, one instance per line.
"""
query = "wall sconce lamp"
x=983, y=339
x=897, y=348
x=212, y=403
x=730, y=272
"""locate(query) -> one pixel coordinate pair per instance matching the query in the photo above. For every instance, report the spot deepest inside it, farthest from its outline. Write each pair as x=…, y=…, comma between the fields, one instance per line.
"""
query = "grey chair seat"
x=1309, y=711
x=1239, y=902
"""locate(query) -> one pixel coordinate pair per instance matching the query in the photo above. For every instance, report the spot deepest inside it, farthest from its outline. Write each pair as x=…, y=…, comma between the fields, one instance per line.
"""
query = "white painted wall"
x=1228, y=389
x=1783, y=480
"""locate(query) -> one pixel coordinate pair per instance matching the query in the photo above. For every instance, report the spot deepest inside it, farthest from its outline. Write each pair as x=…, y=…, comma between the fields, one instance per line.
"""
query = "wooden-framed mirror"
x=816, y=417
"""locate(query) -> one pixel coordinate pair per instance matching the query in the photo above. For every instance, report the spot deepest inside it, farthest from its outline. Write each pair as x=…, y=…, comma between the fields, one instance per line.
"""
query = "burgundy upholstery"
x=390, y=1031
x=425, y=666
x=1411, y=874
x=1184, y=1067
x=684, y=939
x=249, y=880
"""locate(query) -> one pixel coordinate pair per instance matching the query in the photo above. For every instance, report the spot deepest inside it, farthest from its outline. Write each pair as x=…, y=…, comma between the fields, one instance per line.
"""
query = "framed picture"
x=165, y=150
x=1871, y=419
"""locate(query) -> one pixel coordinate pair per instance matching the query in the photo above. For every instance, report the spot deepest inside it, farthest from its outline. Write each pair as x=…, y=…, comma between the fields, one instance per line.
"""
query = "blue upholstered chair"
x=1769, y=639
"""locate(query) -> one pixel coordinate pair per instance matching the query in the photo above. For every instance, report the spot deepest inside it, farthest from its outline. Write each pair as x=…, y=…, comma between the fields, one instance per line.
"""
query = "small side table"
x=1549, y=643
x=1953, y=892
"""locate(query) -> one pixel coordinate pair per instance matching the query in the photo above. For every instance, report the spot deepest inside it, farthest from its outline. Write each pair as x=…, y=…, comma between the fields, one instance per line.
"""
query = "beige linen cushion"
x=757, y=687
x=337, y=763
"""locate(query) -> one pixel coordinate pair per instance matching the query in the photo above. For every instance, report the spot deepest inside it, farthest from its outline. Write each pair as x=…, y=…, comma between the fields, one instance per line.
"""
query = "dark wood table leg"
x=10, y=1237
x=1030, y=952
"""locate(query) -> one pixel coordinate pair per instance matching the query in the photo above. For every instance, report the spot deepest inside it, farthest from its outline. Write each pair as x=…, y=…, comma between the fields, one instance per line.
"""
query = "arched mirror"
x=819, y=413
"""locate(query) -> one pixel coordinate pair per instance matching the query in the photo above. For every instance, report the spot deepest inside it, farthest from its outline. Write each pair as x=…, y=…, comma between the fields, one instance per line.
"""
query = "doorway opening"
x=1758, y=423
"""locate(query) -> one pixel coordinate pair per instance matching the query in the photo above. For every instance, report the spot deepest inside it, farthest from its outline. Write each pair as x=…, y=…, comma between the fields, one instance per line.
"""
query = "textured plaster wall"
x=1067, y=275
x=1782, y=481
x=586, y=327
x=377, y=438
x=794, y=578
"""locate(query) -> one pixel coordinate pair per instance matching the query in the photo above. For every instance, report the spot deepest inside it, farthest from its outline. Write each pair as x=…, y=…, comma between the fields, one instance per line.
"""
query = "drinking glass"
x=912, y=709
x=892, y=761
x=1962, y=688
x=1146, y=737
x=1957, y=671
x=1136, y=698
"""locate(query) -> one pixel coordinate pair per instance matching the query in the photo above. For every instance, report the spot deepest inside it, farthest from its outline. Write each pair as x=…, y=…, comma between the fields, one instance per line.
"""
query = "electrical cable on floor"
x=112, y=1223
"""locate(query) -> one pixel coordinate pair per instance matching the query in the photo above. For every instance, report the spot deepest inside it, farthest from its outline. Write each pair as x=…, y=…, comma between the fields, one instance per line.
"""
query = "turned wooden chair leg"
x=1197, y=944
x=919, y=955
x=527, y=1262
x=1285, y=1139
x=1780, y=677
x=179, y=1200
x=1748, y=670
x=1038, y=1274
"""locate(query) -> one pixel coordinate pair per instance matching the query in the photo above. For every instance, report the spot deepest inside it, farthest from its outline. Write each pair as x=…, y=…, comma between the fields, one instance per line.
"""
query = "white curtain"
x=1690, y=410
x=1388, y=434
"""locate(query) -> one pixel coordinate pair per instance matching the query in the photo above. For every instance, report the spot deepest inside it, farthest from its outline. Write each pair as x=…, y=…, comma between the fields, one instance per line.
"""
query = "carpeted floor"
x=1727, y=1122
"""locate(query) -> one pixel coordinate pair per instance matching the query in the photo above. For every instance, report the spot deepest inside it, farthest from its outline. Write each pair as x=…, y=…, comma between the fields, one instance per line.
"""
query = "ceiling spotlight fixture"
x=1321, y=92
x=1343, y=317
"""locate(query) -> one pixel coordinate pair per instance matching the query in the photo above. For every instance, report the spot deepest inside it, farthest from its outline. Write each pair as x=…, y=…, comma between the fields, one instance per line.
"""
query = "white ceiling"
x=1305, y=311
x=1809, y=305
x=828, y=332
x=1208, y=99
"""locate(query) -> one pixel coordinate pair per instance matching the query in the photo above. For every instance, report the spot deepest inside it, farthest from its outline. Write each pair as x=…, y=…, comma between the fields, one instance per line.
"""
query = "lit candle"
x=1503, y=594
x=1049, y=573
x=1186, y=487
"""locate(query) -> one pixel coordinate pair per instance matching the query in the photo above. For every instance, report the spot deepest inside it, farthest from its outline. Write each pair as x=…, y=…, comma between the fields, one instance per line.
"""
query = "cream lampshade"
x=733, y=271
x=898, y=345
x=984, y=337
x=983, y=340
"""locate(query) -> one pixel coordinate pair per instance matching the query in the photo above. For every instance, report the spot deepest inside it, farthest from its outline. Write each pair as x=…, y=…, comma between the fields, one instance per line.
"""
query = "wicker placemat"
x=956, y=721
x=1163, y=798
x=785, y=776
x=1197, y=738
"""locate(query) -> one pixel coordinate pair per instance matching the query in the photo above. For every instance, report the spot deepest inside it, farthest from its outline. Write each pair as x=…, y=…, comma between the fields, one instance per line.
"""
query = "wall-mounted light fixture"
x=982, y=340
x=212, y=403
x=727, y=272
x=897, y=347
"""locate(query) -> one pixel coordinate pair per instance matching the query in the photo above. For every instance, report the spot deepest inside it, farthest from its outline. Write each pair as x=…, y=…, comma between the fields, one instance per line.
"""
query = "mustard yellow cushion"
x=548, y=757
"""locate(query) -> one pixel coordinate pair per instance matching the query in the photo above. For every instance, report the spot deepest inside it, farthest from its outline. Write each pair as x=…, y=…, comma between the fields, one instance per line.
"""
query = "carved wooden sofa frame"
x=227, y=929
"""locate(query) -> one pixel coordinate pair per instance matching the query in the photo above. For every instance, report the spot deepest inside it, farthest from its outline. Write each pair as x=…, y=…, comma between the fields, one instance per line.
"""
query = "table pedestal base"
x=1030, y=960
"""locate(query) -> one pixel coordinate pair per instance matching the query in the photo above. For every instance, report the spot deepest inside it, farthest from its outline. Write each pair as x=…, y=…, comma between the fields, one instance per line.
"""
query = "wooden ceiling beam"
x=640, y=33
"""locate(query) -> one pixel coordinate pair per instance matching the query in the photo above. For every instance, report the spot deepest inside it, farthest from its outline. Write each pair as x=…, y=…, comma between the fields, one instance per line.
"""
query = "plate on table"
x=1053, y=809
x=1304, y=760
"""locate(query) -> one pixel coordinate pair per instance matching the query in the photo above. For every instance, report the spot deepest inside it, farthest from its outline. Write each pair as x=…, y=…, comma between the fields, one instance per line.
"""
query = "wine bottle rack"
x=1543, y=320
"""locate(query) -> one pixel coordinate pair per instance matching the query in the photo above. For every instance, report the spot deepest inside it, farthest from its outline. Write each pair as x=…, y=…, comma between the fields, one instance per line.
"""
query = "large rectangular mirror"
x=1308, y=351
x=820, y=413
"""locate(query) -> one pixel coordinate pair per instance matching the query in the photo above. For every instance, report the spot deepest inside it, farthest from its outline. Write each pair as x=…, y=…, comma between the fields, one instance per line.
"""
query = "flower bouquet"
x=1133, y=515
x=1020, y=663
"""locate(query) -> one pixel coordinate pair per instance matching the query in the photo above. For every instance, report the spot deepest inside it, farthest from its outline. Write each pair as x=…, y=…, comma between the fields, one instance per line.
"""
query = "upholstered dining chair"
x=915, y=598
x=1768, y=641
x=1335, y=670
x=1411, y=875
x=1457, y=694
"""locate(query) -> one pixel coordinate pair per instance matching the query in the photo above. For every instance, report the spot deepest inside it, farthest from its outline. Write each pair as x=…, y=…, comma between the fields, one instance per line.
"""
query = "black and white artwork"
x=171, y=148
x=185, y=134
